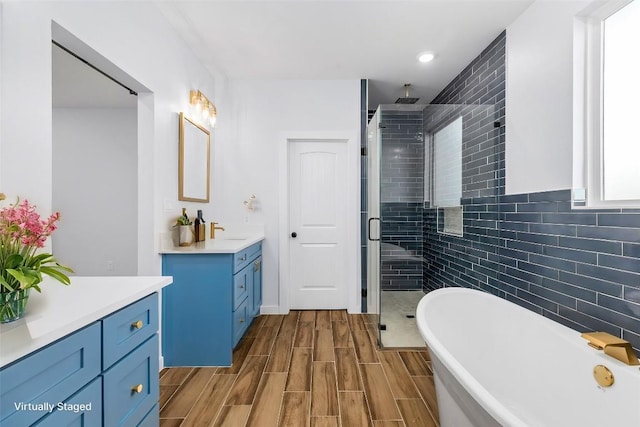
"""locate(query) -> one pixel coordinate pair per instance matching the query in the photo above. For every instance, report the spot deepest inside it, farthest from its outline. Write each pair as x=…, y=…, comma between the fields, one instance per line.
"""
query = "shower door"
x=429, y=166
x=373, y=220
x=394, y=224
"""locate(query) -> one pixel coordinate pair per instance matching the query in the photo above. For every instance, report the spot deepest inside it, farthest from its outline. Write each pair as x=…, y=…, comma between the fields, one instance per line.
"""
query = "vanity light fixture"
x=425, y=57
x=205, y=107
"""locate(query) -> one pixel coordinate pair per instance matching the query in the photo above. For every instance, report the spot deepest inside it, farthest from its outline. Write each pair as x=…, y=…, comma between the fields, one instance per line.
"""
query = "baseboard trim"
x=271, y=309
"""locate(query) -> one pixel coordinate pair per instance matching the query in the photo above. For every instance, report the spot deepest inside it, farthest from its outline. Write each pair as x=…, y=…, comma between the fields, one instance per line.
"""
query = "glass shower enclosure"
x=415, y=190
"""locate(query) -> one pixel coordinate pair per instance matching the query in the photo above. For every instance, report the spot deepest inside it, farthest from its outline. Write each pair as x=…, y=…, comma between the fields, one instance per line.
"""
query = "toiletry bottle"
x=201, y=228
x=196, y=229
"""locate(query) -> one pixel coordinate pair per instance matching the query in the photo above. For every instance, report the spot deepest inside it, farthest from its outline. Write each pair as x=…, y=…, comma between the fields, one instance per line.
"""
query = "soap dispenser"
x=200, y=227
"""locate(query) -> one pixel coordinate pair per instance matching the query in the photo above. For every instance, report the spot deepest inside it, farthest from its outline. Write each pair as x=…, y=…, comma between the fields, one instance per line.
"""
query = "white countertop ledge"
x=60, y=310
x=225, y=244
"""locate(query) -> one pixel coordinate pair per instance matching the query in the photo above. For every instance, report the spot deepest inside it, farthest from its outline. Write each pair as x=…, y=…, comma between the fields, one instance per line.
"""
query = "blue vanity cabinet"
x=208, y=308
x=103, y=374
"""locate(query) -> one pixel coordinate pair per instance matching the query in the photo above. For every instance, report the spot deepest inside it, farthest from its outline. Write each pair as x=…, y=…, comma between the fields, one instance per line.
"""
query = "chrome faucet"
x=214, y=228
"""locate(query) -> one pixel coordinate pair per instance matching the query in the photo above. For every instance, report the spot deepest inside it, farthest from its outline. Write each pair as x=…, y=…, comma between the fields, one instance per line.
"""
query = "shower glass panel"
x=421, y=169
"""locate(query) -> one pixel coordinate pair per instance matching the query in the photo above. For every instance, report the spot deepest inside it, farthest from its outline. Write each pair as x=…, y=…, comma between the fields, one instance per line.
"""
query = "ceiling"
x=356, y=39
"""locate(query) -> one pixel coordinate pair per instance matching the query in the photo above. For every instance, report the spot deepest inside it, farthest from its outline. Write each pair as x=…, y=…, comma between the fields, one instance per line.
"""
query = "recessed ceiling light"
x=426, y=57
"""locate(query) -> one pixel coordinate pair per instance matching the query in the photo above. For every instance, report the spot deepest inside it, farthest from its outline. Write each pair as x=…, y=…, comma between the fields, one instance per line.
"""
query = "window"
x=447, y=153
x=607, y=130
x=447, y=177
x=621, y=98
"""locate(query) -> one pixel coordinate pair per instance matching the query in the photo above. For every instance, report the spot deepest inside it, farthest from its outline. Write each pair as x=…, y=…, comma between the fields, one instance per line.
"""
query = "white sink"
x=234, y=238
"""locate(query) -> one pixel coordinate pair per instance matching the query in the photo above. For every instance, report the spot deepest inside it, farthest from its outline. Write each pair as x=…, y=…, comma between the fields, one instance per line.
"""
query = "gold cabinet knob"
x=137, y=388
x=137, y=325
x=241, y=320
x=256, y=266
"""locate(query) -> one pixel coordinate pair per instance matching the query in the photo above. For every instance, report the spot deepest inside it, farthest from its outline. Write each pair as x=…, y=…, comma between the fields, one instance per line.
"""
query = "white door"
x=317, y=224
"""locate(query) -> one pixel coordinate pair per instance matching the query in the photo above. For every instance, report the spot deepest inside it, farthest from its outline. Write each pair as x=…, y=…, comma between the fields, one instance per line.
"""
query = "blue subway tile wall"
x=578, y=278
x=449, y=260
x=402, y=195
x=579, y=267
x=402, y=156
x=401, y=246
x=478, y=95
x=585, y=283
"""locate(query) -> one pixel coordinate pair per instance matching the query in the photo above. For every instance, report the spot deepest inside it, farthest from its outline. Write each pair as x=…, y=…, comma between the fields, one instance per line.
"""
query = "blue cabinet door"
x=128, y=328
x=83, y=409
x=241, y=320
x=197, y=310
x=49, y=375
x=131, y=386
x=242, y=283
x=257, y=286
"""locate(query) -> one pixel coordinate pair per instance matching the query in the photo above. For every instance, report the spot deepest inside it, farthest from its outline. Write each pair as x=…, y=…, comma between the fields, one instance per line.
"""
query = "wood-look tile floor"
x=305, y=369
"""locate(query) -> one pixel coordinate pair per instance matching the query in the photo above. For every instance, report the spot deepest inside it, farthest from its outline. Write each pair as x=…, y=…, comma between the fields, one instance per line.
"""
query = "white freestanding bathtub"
x=498, y=364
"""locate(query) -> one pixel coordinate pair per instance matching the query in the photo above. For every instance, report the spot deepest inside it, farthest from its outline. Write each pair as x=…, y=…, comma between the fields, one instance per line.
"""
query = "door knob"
x=294, y=234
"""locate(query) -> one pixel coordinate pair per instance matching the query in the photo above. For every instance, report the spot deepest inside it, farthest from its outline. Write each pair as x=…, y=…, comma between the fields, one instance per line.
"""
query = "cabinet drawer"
x=49, y=375
x=245, y=256
x=83, y=409
x=240, y=322
x=126, y=329
x=241, y=284
x=131, y=386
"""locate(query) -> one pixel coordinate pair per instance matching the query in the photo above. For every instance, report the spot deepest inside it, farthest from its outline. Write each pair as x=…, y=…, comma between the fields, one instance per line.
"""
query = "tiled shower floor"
x=401, y=331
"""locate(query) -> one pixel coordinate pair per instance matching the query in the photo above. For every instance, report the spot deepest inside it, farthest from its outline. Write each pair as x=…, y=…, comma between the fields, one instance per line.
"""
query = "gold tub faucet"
x=613, y=346
x=214, y=228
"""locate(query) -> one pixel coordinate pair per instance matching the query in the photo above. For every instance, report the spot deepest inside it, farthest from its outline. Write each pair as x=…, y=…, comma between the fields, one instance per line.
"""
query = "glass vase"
x=12, y=304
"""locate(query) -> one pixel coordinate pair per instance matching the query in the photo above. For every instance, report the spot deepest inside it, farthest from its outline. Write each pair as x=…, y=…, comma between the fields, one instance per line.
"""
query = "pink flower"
x=21, y=224
x=22, y=232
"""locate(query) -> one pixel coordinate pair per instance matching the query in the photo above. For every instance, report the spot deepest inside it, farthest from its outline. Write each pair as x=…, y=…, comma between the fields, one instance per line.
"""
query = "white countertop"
x=222, y=244
x=60, y=310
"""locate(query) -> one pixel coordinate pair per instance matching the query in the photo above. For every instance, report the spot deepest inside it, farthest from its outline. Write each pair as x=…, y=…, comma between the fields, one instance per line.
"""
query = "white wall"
x=265, y=112
x=1, y=97
x=539, y=97
x=131, y=40
x=95, y=175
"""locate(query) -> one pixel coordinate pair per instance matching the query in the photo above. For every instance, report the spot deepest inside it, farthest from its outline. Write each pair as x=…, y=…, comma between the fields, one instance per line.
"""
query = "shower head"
x=406, y=99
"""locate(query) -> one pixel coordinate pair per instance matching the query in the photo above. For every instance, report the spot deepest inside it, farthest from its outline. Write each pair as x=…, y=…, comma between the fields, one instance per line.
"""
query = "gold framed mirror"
x=193, y=161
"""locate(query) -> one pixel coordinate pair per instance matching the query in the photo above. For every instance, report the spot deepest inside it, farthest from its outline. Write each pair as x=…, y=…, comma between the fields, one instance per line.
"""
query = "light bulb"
x=426, y=57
